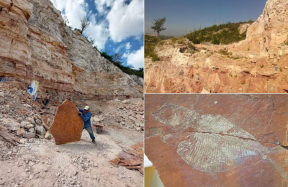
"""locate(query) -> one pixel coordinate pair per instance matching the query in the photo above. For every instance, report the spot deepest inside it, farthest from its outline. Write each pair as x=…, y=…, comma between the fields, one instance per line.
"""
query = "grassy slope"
x=218, y=34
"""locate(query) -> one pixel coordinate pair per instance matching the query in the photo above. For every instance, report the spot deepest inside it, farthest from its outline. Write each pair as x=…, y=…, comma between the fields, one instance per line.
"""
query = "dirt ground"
x=39, y=162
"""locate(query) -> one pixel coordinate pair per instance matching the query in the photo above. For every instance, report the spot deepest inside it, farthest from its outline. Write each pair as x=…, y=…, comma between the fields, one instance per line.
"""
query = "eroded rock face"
x=36, y=44
x=255, y=65
x=269, y=30
x=218, y=140
x=67, y=125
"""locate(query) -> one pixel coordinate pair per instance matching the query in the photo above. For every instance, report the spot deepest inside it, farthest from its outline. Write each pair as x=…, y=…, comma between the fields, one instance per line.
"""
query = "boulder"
x=67, y=125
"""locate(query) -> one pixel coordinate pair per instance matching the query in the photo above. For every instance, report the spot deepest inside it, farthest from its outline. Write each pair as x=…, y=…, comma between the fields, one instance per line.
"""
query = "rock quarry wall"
x=270, y=29
x=248, y=66
x=36, y=44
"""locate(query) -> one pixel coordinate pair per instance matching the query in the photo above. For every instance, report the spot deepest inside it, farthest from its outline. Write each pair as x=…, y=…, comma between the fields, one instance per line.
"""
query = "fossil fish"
x=216, y=144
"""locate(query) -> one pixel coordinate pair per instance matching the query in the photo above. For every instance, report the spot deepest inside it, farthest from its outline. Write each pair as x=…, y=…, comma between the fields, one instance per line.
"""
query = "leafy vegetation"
x=150, y=43
x=218, y=34
x=116, y=60
x=224, y=52
x=158, y=26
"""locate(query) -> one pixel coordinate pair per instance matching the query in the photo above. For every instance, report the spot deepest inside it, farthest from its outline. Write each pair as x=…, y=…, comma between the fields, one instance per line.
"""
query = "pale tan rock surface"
x=255, y=65
x=36, y=44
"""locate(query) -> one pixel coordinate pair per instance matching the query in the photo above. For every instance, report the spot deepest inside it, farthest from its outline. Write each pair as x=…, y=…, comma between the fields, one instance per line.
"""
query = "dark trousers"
x=90, y=131
x=45, y=102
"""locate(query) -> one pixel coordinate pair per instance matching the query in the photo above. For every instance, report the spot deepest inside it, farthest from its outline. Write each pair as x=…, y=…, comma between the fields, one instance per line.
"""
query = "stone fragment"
x=31, y=120
x=193, y=141
x=131, y=158
x=29, y=135
x=20, y=132
x=38, y=122
x=40, y=130
x=48, y=136
x=67, y=125
x=29, y=126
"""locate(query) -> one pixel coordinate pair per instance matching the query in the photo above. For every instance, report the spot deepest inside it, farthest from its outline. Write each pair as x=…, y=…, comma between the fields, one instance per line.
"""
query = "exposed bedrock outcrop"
x=255, y=65
x=36, y=44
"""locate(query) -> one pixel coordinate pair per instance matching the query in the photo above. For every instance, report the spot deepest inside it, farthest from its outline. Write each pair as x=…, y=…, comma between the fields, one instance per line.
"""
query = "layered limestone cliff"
x=36, y=44
x=255, y=65
x=270, y=29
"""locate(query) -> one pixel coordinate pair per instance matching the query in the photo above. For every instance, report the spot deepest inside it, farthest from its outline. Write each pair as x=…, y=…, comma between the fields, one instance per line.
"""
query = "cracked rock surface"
x=218, y=140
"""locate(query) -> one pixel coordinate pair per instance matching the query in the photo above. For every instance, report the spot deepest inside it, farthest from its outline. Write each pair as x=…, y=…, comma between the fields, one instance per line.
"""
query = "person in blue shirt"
x=85, y=114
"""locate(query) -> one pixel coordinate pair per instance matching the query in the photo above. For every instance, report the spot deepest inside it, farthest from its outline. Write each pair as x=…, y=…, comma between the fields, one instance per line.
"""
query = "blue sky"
x=116, y=26
x=183, y=15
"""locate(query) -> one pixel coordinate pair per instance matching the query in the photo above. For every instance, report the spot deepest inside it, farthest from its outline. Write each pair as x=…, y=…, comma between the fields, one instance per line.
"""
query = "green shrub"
x=126, y=69
x=155, y=57
x=216, y=41
x=173, y=39
x=191, y=46
x=224, y=34
x=196, y=41
x=224, y=52
x=262, y=66
x=281, y=69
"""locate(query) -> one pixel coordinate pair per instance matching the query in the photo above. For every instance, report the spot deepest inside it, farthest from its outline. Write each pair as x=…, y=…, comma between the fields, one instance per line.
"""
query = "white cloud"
x=128, y=46
x=126, y=20
x=98, y=33
x=118, y=48
x=101, y=5
x=123, y=21
x=74, y=10
x=136, y=59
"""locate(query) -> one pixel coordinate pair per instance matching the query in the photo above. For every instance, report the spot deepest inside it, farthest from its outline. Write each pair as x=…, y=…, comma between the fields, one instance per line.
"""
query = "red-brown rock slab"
x=131, y=158
x=218, y=140
x=67, y=125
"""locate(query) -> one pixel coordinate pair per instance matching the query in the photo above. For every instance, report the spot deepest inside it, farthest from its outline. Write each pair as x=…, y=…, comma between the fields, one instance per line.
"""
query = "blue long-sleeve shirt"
x=86, y=117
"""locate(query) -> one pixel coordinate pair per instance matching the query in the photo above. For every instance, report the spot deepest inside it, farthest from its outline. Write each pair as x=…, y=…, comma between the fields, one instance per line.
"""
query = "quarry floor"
x=39, y=162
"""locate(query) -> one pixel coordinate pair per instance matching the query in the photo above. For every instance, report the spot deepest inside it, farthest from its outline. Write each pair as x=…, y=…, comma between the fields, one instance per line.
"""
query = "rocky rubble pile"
x=127, y=114
x=29, y=119
x=19, y=114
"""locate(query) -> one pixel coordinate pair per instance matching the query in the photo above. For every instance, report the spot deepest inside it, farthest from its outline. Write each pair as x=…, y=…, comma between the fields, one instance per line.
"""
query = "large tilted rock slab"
x=218, y=140
x=67, y=125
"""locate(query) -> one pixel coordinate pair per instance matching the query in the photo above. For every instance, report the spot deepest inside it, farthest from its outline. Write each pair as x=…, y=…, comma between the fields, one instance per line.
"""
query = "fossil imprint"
x=216, y=144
